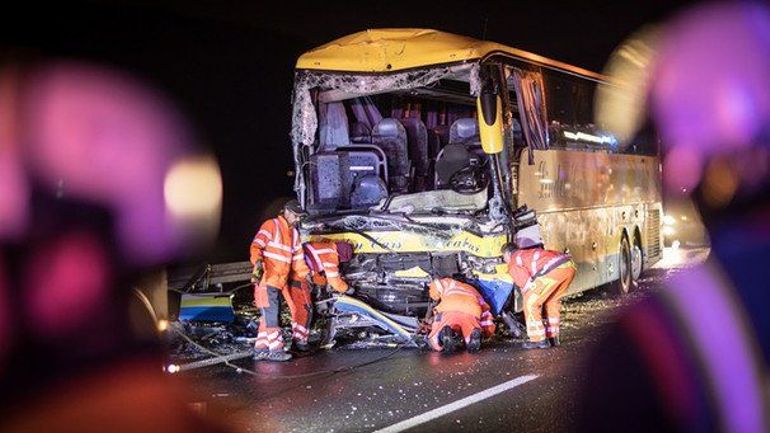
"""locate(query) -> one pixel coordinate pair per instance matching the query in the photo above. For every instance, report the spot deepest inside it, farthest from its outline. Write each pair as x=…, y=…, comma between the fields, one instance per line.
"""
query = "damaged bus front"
x=416, y=145
x=410, y=167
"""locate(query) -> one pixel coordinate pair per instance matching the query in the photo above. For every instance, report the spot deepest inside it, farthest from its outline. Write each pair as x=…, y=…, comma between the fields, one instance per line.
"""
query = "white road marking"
x=457, y=405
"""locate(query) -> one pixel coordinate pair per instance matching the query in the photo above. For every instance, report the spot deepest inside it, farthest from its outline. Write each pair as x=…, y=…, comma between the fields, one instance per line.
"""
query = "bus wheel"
x=636, y=263
x=623, y=284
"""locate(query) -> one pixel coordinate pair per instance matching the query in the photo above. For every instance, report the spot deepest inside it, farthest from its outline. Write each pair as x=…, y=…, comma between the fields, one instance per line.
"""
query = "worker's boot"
x=448, y=339
x=474, y=342
x=275, y=356
x=544, y=344
x=554, y=341
x=300, y=346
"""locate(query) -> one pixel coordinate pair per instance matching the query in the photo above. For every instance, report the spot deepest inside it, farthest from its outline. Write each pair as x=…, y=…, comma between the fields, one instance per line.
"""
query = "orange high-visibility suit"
x=277, y=246
x=324, y=261
x=543, y=277
x=460, y=307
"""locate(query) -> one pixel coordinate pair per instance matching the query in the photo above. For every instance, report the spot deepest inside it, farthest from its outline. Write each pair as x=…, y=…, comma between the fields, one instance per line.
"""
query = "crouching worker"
x=461, y=316
x=323, y=258
x=276, y=254
x=543, y=276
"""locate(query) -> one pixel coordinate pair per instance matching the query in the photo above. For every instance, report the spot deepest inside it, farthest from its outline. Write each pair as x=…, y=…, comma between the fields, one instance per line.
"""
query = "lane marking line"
x=457, y=405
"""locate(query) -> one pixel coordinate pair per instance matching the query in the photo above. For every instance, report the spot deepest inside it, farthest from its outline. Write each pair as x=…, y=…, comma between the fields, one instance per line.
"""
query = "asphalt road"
x=502, y=388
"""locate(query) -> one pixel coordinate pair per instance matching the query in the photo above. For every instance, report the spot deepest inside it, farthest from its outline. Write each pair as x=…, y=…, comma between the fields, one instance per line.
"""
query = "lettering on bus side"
x=393, y=245
x=462, y=245
x=545, y=191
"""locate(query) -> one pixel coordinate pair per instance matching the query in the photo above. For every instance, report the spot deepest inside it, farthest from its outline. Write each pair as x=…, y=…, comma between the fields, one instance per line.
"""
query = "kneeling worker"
x=461, y=313
x=543, y=276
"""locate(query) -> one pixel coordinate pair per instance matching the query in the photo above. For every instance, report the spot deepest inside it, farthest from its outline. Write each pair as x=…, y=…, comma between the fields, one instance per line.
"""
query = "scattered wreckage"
x=214, y=307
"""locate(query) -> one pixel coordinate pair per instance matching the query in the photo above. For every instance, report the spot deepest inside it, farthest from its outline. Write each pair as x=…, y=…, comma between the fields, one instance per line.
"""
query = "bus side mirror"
x=490, y=118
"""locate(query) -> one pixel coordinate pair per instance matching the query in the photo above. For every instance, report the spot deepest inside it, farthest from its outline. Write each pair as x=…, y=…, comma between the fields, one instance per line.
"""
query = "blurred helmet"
x=88, y=134
x=710, y=98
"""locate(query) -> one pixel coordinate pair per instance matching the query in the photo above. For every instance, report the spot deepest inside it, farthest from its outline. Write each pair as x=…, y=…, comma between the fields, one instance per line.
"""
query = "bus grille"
x=653, y=233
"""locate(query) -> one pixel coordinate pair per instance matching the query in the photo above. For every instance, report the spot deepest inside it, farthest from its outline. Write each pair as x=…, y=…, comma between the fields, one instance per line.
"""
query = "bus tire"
x=624, y=282
x=637, y=262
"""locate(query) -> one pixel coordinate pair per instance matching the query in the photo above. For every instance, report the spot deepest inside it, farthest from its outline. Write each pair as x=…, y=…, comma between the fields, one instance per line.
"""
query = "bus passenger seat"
x=434, y=144
x=450, y=160
x=326, y=181
x=464, y=131
x=367, y=191
x=334, y=174
x=390, y=136
x=360, y=133
x=417, y=142
x=442, y=133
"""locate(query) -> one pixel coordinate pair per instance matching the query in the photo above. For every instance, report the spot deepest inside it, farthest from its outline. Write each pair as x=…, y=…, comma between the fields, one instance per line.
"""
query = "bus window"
x=370, y=148
x=584, y=110
x=570, y=99
x=645, y=142
x=561, y=94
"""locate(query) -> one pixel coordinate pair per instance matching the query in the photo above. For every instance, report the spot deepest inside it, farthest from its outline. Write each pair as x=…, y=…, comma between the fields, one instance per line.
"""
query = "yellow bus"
x=418, y=146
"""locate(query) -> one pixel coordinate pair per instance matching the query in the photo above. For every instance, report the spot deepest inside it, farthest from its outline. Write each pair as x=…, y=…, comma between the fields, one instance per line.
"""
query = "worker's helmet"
x=528, y=237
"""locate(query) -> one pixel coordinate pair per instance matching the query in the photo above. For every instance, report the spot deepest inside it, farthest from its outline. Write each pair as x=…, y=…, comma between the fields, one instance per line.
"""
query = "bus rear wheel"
x=625, y=281
x=637, y=263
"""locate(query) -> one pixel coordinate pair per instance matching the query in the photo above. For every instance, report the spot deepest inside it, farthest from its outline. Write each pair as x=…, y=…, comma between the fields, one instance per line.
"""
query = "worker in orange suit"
x=300, y=302
x=543, y=277
x=276, y=253
x=323, y=258
x=462, y=314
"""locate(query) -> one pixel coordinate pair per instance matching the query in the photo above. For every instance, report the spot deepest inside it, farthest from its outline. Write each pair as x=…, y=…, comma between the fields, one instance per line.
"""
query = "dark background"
x=229, y=65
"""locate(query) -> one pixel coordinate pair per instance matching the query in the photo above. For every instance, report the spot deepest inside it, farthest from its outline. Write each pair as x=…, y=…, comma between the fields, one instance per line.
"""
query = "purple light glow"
x=14, y=194
x=66, y=284
x=710, y=90
x=5, y=331
x=726, y=346
x=101, y=136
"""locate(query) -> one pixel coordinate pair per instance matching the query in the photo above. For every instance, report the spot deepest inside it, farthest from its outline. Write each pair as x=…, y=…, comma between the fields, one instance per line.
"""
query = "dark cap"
x=293, y=207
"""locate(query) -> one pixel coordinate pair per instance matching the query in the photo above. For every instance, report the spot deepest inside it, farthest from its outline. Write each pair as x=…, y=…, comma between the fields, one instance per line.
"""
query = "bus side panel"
x=586, y=202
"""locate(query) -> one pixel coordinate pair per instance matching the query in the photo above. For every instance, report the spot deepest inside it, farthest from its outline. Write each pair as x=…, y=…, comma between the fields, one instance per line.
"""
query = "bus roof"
x=387, y=50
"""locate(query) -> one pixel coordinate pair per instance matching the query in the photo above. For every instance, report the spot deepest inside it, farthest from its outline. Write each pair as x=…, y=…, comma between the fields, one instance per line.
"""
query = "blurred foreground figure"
x=98, y=185
x=694, y=357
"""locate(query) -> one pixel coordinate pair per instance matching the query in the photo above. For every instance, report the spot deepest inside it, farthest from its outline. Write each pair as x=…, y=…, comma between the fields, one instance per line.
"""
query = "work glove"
x=256, y=273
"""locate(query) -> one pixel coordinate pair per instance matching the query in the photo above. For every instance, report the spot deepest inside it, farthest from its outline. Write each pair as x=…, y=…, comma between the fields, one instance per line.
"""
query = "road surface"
x=501, y=388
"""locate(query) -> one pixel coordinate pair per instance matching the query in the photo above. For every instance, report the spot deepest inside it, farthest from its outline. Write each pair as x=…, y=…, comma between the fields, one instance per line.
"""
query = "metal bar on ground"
x=215, y=360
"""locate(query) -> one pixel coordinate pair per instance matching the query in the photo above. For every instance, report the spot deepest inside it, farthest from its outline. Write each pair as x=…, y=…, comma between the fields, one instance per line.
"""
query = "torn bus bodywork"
x=383, y=186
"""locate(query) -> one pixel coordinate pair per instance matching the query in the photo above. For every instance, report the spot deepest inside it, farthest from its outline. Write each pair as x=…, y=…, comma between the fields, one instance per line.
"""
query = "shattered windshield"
x=404, y=142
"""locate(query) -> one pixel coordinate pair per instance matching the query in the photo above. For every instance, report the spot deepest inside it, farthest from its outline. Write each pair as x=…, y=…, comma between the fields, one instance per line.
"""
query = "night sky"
x=229, y=66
